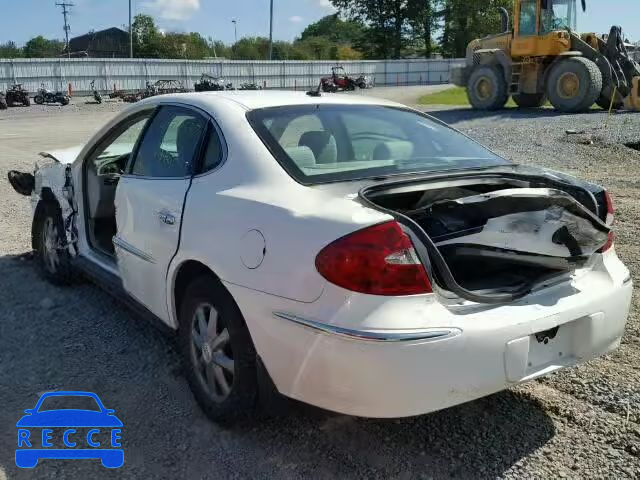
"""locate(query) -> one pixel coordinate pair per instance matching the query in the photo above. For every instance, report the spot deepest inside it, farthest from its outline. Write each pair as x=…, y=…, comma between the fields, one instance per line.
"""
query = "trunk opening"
x=492, y=238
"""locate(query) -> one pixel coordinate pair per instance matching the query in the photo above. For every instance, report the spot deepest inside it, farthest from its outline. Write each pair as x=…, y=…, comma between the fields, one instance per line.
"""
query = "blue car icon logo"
x=69, y=425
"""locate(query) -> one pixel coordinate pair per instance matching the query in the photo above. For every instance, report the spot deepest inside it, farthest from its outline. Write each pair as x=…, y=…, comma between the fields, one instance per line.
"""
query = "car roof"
x=256, y=99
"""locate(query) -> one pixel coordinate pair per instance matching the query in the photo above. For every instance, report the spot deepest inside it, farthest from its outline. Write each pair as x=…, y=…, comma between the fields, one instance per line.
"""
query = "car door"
x=150, y=199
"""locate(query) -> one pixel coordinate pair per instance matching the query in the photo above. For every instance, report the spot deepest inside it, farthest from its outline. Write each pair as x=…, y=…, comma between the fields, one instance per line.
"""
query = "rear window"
x=328, y=143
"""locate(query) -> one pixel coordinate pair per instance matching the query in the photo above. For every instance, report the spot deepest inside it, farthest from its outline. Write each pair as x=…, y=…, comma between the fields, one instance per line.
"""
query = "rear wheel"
x=39, y=99
x=64, y=101
x=529, y=100
x=487, y=88
x=218, y=352
x=574, y=85
x=26, y=102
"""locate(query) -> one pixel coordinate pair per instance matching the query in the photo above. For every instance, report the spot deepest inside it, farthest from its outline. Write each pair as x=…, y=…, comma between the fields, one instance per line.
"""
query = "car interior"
x=167, y=151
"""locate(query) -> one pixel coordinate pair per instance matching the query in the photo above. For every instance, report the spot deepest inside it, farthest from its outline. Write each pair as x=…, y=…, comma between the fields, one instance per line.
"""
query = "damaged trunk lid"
x=492, y=236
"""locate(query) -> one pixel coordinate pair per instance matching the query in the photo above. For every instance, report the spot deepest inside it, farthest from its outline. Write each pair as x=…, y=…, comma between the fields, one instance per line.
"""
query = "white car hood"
x=64, y=156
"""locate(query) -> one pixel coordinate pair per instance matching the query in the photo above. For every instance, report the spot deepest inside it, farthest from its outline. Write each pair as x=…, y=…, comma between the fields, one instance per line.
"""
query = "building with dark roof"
x=109, y=43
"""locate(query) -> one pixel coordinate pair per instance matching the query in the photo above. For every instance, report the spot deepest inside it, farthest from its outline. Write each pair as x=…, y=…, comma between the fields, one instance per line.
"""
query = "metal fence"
x=132, y=74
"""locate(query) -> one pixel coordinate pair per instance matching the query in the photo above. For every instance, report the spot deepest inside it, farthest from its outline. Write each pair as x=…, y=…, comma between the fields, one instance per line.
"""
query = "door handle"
x=166, y=217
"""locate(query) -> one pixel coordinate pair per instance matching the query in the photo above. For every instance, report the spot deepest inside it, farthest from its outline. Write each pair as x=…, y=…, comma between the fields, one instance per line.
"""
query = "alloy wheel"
x=211, y=352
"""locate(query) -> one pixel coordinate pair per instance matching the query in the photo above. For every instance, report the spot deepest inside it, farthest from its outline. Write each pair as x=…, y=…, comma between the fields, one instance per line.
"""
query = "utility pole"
x=235, y=28
x=130, y=33
x=271, y=32
x=67, y=27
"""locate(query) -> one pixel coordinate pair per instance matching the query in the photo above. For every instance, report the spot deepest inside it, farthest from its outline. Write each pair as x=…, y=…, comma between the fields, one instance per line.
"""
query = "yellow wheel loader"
x=542, y=57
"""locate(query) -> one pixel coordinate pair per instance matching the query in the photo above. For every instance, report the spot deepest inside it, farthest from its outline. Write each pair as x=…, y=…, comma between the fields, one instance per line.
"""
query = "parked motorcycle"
x=96, y=94
x=49, y=96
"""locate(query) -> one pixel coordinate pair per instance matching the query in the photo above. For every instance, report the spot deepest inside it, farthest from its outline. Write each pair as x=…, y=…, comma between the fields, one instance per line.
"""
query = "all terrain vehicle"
x=209, y=83
x=338, y=81
x=16, y=95
x=543, y=57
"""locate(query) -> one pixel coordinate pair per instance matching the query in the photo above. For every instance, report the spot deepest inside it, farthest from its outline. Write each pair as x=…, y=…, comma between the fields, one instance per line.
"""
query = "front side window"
x=528, y=18
x=171, y=144
x=325, y=143
x=559, y=15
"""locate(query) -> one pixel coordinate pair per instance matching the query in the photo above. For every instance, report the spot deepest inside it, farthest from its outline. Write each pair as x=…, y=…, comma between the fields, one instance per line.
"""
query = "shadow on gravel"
x=78, y=338
x=456, y=115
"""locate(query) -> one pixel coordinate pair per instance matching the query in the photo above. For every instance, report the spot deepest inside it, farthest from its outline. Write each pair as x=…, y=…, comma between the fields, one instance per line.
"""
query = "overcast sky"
x=213, y=17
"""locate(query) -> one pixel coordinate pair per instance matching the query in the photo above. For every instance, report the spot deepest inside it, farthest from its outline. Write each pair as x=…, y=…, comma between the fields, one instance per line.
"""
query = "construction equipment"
x=543, y=57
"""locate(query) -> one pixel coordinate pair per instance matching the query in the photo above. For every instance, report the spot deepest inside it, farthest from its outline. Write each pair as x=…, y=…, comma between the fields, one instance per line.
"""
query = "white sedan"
x=347, y=252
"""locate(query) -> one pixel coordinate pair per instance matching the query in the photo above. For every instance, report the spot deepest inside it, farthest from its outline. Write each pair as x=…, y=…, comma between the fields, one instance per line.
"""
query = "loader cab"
x=540, y=27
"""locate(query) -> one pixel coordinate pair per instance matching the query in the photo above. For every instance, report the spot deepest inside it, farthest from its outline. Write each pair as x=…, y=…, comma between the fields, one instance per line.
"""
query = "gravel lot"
x=580, y=423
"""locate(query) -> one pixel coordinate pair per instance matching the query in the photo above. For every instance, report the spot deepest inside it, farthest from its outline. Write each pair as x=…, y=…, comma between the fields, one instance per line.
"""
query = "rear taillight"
x=378, y=260
x=610, y=208
x=609, y=221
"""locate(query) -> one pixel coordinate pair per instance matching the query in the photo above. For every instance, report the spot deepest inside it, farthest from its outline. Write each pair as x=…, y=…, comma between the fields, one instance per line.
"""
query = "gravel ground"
x=580, y=423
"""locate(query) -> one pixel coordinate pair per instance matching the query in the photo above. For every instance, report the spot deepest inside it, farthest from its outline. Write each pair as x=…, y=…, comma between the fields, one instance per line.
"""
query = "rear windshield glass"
x=328, y=143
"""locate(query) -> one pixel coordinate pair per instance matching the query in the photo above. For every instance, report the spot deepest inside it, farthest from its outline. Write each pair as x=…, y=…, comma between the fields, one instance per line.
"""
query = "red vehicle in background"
x=338, y=81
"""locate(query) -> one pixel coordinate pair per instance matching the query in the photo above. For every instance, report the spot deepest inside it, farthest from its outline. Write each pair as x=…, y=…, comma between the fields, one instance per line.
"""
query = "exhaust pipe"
x=504, y=15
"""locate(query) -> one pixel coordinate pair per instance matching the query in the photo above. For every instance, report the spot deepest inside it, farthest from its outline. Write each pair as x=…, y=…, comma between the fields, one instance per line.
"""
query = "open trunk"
x=493, y=237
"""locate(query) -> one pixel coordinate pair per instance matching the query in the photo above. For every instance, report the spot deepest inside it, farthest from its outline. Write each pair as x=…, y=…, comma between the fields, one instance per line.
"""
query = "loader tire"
x=529, y=100
x=487, y=88
x=574, y=85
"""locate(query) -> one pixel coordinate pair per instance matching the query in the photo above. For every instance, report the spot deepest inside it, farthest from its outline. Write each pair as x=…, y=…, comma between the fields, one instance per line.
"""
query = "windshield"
x=328, y=143
x=69, y=402
x=559, y=15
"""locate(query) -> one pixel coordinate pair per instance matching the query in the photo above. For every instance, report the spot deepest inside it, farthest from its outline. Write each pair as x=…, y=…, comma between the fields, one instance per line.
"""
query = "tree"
x=335, y=30
x=10, y=50
x=464, y=20
x=40, y=47
x=146, y=37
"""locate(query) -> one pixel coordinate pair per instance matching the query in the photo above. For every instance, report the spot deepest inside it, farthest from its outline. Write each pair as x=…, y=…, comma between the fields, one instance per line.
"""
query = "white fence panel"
x=132, y=74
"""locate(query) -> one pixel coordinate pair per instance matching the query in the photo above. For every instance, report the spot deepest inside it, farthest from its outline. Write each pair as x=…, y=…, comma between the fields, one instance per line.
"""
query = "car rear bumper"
x=460, y=357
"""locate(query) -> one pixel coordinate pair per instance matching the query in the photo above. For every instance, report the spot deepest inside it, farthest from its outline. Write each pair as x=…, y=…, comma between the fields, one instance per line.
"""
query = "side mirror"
x=29, y=411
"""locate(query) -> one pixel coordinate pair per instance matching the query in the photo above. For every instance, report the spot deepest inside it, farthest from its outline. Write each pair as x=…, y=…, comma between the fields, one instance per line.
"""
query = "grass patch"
x=458, y=96
x=452, y=96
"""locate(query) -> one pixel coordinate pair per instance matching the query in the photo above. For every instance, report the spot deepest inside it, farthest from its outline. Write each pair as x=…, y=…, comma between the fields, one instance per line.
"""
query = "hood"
x=65, y=156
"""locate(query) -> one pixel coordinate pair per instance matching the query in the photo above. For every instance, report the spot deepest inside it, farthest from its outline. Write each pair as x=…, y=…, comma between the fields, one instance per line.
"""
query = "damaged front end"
x=493, y=237
x=52, y=182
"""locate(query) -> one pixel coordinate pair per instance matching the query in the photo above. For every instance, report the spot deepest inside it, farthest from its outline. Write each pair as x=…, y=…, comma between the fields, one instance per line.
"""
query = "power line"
x=67, y=27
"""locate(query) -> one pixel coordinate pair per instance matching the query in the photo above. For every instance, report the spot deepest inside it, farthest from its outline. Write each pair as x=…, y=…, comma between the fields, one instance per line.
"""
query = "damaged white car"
x=347, y=252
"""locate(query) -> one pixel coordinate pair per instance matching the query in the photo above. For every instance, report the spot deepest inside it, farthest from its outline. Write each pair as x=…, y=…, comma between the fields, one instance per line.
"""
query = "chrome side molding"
x=127, y=247
x=373, y=336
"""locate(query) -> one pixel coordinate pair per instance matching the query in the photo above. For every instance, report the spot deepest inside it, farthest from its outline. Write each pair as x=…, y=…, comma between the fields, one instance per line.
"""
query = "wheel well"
x=46, y=198
x=187, y=272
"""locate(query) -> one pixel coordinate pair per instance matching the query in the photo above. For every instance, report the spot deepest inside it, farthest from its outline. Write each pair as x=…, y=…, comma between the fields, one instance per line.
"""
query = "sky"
x=212, y=18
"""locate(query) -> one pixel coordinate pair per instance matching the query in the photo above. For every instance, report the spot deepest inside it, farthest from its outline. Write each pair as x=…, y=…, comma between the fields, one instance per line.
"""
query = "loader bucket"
x=632, y=102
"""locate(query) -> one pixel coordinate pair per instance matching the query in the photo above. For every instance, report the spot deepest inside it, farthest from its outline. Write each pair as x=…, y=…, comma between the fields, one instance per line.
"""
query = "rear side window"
x=328, y=143
x=171, y=144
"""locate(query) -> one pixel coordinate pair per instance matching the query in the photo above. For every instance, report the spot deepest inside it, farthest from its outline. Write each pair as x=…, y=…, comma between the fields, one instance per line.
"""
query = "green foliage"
x=10, y=50
x=464, y=20
x=40, y=47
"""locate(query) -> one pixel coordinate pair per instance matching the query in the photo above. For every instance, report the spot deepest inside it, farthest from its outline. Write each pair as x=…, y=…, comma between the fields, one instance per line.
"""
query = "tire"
x=529, y=100
x=574, y=85
x=53, y=261
x=64, y=101
x=27, y=102
x=487, y=88
x=236, y=358
x=39, y=99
